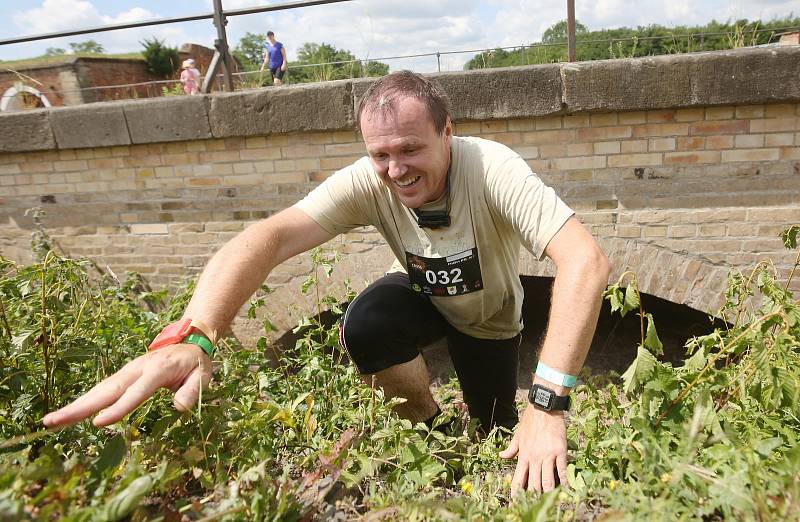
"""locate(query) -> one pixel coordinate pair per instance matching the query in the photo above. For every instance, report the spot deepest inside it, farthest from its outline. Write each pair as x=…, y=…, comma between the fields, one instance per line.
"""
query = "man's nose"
x=396, y=169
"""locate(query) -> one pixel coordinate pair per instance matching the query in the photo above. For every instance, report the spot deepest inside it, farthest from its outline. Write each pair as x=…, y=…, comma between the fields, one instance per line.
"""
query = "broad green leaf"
x=631, y=300
x=284, y=417
x=651, y=340
x=639, y=371
x=20, y=341
x=308, y=283
x=47, y=465
x=124, y=502
x=767, y=446
x=112, y=454
x=789, y=236
x=615, y=297
x=695, y=363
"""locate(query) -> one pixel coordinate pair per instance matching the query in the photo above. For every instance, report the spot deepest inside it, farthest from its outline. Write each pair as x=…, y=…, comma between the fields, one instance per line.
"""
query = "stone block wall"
x=679, y=194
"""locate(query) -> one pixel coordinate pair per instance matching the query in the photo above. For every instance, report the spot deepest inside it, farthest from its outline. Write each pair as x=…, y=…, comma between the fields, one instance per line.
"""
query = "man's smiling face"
x=408, y=154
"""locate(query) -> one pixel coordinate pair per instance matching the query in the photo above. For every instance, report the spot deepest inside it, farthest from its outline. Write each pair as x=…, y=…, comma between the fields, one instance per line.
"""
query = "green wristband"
x=200, y=340
x=555, y=376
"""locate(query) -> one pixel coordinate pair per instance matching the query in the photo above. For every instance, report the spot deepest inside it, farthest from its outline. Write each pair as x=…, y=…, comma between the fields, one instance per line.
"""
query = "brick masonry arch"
x=679, y=277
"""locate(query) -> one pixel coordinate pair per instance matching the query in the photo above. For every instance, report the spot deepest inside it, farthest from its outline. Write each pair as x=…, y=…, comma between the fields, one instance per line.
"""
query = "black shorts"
x=277, y=72
x=386, y=324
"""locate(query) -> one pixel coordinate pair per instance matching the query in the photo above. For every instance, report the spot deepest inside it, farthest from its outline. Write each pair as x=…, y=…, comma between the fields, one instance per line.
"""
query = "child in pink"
x=190, y=77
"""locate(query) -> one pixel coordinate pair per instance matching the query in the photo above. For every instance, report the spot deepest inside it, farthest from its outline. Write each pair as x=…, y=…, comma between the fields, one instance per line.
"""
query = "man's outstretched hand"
x=182, y=368
x=540, y=444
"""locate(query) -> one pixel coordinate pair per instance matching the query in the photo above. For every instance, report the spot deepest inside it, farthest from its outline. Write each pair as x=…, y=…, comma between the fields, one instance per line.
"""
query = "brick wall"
x=51, y=79
x=66, y=83
x=105, y=72
x=679, y=195
x=716, y=184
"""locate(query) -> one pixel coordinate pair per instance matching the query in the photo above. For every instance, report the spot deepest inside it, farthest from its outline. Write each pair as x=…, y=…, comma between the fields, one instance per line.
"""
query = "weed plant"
x=714, y=438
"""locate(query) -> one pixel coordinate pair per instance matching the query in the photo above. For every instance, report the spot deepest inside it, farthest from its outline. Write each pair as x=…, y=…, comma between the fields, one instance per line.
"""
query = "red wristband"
x=176, y=332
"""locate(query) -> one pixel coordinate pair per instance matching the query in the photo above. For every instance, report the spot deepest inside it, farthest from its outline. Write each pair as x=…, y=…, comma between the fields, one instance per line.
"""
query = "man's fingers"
x=535, y=476
x=186, y=396
x=103, y=394
x=548, y=476
x=138, y=392
x=512, y=449
x=561, y=466
x=520, y=476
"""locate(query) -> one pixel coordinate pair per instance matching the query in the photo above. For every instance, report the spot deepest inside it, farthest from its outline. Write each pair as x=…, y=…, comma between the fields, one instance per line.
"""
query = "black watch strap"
x=546, y=399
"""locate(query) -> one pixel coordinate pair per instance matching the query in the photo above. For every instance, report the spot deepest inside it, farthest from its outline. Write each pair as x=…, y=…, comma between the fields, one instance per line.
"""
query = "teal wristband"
x=200, y=340
x=555, y=376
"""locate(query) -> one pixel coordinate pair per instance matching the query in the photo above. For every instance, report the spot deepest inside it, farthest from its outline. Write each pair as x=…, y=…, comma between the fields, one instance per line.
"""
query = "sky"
x=367, y=28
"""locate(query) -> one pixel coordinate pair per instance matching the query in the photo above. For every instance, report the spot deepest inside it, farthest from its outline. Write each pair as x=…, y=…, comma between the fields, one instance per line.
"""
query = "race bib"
x=457, y=274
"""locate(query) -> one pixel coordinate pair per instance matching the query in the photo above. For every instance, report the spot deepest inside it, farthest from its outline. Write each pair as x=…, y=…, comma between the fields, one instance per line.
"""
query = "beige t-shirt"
x=496, y=205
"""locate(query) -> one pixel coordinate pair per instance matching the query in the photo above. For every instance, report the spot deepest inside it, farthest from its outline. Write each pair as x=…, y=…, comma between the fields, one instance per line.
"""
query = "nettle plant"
x=302, y=437
x=716, y=437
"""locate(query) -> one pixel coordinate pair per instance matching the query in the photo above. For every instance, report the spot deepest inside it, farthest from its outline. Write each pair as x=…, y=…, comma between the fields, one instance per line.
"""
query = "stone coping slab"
x=745, y=76
x=102, y=125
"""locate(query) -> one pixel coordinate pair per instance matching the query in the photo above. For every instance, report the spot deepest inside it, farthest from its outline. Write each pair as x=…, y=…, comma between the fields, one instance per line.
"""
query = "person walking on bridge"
x=275, y=57
x=455, y=212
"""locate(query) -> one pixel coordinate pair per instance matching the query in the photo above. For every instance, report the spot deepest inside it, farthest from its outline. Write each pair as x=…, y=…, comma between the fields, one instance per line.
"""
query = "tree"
x=89, y=46
x=54, y=51
x=160, y=59
x=626, y=42
x=250, y=51
x=321, y=62
x=557, y=32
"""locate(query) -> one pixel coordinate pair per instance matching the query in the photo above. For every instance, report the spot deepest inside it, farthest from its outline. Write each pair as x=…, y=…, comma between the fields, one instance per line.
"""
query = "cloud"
x=57, y=15
x=606, y=10
x=137, y=14
x=63, y=15
x=375, y=28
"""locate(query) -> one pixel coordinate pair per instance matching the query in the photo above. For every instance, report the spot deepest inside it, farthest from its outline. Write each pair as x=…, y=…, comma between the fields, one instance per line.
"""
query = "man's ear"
x=448, y=128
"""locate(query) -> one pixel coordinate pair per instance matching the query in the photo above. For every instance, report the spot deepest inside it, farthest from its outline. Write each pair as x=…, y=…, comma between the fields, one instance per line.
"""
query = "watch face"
x=542, y=397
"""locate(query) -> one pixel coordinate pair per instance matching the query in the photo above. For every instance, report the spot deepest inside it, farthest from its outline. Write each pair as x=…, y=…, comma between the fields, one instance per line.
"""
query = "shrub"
x=160, y=59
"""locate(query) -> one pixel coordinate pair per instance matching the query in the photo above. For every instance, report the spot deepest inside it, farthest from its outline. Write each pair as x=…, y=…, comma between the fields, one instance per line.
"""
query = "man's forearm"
x=575, y=306
x=232, y=276
x=242, y=265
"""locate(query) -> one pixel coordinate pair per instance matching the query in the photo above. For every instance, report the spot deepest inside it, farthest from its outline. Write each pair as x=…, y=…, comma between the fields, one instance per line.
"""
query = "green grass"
x=50, y=61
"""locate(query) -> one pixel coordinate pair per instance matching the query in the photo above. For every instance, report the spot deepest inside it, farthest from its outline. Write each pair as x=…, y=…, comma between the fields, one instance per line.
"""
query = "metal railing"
x=145, y=89
x=162, y=21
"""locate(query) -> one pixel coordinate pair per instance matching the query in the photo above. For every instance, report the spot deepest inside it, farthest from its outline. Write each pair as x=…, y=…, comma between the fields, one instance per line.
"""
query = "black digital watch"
x=546, y=399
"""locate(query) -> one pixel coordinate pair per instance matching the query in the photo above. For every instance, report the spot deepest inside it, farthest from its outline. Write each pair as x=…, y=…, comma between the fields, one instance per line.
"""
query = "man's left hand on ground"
x=540, y=445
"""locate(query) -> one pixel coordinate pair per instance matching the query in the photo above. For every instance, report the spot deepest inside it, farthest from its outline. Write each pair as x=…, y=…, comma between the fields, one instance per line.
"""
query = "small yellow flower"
x=612, y=485
x=666, y=477
x=466, y=487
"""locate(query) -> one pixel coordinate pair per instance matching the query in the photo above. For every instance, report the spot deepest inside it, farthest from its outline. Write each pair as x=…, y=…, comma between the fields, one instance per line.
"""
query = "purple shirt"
x=275, y=55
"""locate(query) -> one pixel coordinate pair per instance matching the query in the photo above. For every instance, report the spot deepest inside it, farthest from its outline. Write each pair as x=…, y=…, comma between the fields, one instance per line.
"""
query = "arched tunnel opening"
x=614, y=344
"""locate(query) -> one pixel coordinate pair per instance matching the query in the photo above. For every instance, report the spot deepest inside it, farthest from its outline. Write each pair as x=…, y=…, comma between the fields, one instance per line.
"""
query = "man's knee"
x=377, y=331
